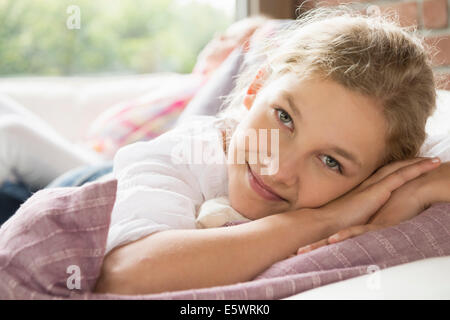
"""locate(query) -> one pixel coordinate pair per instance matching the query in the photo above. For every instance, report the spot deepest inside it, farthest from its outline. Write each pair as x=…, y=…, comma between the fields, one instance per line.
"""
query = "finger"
x=403, y=175
x=351, y=232
x=340, y=236
x=376, y=195
x=386, y=170
x=313, y=246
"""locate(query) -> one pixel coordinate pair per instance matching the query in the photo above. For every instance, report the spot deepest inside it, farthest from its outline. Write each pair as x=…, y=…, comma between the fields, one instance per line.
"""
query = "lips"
x=260, y=188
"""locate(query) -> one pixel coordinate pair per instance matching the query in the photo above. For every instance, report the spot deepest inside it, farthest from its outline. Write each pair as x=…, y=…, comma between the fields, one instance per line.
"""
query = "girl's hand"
x=357, y=206
x=405, y=202
x=435, y=185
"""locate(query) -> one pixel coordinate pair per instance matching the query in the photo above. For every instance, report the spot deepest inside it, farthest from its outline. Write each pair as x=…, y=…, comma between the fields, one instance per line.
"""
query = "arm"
x=184, y=259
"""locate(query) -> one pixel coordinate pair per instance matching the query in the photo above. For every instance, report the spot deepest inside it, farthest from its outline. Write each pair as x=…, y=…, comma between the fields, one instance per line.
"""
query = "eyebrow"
x=285, y=95
x=347, y=155
x=342, y=152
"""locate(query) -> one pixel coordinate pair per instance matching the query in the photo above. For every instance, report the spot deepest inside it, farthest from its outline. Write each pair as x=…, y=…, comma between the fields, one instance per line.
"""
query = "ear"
x=255, y=86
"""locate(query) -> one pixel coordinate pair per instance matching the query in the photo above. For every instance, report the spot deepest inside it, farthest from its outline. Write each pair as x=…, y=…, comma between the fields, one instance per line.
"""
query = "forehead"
x=333, y=115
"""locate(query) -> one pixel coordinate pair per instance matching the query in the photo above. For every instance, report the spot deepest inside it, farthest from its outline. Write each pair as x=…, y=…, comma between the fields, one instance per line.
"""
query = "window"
x=71, y=37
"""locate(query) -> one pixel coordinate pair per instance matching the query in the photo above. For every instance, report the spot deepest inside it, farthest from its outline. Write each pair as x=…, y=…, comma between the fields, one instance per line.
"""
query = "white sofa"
x=70, y=104
x=426, y=279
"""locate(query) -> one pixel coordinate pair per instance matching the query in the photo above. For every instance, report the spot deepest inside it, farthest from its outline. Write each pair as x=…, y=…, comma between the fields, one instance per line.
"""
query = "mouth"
x=260, y=188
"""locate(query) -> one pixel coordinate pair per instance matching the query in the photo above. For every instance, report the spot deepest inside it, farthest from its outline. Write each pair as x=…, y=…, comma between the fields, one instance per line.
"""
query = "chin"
x=239, y=197
x=241, y=204
x=246, y=207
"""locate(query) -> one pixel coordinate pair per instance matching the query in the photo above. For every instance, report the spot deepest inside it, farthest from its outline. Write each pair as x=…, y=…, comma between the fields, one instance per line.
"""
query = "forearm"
x=186, y=259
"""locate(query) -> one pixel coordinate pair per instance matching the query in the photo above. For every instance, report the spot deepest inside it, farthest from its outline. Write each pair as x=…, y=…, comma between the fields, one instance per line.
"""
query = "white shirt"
x=162, y=183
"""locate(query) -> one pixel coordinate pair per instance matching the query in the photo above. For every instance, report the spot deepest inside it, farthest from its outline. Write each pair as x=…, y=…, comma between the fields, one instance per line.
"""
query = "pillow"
x=142, y=118
x=437, y=124
x=437, y=143
x=210, y=97
x=53, y=246
x=425, y=236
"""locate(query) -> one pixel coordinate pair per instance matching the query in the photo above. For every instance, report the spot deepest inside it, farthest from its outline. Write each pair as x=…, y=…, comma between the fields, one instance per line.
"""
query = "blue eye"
x=284, y=118
x=332, y=163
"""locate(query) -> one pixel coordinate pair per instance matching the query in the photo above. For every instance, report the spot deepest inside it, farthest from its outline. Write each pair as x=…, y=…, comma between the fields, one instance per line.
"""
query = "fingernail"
x=334, y=237
x=304, y=249
x=436, y=160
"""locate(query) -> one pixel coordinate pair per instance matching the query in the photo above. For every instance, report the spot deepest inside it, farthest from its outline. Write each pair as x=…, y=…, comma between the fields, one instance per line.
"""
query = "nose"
x=284, y=170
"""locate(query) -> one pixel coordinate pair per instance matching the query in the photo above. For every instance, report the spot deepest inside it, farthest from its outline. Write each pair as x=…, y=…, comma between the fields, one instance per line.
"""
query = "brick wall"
x=429, y=16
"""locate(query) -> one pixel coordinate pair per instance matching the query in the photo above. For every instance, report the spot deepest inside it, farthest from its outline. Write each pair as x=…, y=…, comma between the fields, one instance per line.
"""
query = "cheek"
x=316, y=190
x=237, y=191
x=259, y=116
x=248, y=136
x=240, y=196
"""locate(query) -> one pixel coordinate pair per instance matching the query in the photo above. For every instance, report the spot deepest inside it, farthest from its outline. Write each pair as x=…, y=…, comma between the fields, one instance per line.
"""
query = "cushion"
x=210, y=97
x=425, y=236
x=144, y=117
x=437, y=142
x=53, y=246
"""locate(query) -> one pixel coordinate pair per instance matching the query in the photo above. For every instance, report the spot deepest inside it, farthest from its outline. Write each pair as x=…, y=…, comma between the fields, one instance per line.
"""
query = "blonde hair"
x=372, y=55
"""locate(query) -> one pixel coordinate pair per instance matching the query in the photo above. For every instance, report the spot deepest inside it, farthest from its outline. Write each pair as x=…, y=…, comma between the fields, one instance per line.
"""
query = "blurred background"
x=114, y=37
x=145, y=36
x=105, y=73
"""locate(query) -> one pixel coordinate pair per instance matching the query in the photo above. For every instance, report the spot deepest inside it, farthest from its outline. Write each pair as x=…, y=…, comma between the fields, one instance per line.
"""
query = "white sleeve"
x=153, y=194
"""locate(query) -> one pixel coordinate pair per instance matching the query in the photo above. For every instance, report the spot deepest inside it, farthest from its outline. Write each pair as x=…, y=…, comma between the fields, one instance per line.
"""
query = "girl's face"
x=329, y=140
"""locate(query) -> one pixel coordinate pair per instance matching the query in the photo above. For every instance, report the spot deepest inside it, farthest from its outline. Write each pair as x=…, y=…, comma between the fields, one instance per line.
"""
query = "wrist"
x=420, y=190
x=321, y=217
x=434, y=186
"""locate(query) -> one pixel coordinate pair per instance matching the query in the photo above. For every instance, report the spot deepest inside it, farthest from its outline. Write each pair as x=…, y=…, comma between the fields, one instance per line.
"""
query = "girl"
x=337, y=105
x=335, y=98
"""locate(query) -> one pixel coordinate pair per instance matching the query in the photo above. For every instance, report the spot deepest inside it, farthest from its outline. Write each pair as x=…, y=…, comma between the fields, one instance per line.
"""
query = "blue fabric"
x=81, y=175
x=12, y=195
